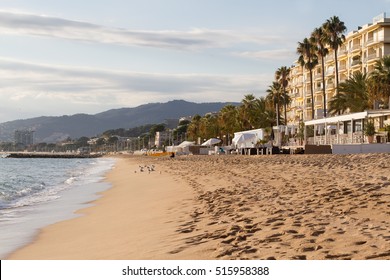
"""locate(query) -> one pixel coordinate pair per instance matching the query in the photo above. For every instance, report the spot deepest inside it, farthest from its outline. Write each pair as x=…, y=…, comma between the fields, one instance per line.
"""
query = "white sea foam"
x=53, y=190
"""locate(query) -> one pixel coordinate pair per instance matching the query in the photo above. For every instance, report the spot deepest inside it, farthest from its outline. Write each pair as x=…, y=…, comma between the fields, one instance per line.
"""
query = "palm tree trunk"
x=337, y=70
x=285, y=106
x=323, y=84
x=312, y=94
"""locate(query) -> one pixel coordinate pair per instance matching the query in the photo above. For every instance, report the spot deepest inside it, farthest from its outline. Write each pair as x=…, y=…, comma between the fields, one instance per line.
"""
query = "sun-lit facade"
x=359, y=52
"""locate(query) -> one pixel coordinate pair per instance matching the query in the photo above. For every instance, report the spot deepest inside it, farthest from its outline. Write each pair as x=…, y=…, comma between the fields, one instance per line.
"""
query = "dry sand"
x=232, y=207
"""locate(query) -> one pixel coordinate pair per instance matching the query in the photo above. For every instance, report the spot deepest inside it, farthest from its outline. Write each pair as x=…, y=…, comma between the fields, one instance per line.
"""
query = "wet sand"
x=232, y=207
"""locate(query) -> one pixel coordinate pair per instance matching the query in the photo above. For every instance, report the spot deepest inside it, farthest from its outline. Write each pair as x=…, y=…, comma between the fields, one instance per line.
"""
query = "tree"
x=267, y=116
x=248, y=112
x=334, y=30
x=352, y=96
x=274, y=98
x=381, y=76
x=338, y=104
x=356, y=92
x=193, y=129
x=156, y=128
x=308, y=59
x=282, y=75
x=209, y=126
x=318, y=37
x=228, y=119
x=286, y=100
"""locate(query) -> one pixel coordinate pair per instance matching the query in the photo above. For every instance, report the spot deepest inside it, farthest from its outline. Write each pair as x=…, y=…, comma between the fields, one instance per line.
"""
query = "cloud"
x=47, y=89
x=277, y=54
x=194, y=39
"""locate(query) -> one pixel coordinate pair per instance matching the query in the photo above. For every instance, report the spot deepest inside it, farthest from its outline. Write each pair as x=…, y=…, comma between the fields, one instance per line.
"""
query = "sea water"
x=37, y=192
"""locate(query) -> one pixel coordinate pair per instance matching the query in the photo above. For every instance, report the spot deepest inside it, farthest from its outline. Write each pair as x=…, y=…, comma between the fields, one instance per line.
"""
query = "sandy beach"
x=312, y=207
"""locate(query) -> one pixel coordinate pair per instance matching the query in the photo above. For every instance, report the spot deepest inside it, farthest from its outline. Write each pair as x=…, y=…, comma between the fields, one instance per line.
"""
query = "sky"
x=63, y=57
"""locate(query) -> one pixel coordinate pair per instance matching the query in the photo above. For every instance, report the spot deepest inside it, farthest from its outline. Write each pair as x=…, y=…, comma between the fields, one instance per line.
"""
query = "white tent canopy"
x=186, y=144
x=211, y=141
x=248, y=139
x=244, y=140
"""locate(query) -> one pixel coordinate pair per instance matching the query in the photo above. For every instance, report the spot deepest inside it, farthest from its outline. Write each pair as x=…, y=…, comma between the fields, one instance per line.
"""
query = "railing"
x=355, y=138
x=356, y=47
x=371, y=57
x=343, y=67
x=356, y=62
x=369, y=41
x=330, y=86
x=342, y=52
x=329, y=72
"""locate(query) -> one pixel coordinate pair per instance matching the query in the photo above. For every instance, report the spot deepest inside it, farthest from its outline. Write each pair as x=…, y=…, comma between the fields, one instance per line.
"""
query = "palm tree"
x=209, y=127
x=266, y=111
x=282, y=75
x=334, y=29
x=381, y=76
x=286, y=100
x=228, y=120
x=319, y=38
x=193, y=130
x=338, y=104
x=308, y=58
x=353, y=95
x=356, y=91
x=248, y=111
x=274, y=98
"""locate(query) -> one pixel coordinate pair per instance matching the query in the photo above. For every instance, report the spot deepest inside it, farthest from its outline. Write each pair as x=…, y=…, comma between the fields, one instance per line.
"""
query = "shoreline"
x=69, y=186
x=135, y=219
x=314, y=207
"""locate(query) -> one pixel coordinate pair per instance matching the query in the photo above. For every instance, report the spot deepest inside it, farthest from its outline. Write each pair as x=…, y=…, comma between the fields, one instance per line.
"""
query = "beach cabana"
x=248, y=138
x=244, y=140
x=211, y=141
x=184, y=147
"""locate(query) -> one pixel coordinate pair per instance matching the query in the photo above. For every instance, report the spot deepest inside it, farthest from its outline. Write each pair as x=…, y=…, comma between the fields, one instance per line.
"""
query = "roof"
x=348, y=117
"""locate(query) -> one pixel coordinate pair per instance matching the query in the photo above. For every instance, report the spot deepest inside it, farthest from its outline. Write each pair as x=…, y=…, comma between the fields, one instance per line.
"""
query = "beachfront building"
x=161, y=138
x=24, y=137
x=361, y=49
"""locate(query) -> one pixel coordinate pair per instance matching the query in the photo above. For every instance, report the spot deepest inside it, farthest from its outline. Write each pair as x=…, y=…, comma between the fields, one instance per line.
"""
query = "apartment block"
x=24, y=137
x=361, y=49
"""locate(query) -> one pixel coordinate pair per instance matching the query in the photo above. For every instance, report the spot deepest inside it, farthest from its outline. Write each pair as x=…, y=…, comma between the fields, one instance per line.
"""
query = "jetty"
x=50, y=155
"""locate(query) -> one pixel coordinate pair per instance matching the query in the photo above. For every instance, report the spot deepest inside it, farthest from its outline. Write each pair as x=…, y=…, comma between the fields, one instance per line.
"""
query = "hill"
x=53, y=129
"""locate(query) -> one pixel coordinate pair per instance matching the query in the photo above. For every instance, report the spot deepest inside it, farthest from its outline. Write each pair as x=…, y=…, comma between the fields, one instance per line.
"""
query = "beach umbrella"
x=211, y=141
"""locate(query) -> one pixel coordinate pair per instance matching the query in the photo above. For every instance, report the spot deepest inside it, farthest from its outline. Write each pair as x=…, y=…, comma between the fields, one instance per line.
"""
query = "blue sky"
x=67, y=57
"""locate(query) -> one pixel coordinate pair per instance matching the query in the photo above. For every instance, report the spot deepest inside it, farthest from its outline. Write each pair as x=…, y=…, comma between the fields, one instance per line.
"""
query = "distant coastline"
x=49, y=155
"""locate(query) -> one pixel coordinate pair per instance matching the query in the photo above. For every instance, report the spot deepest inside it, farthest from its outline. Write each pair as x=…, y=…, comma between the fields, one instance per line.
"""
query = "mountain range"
x=53, y=129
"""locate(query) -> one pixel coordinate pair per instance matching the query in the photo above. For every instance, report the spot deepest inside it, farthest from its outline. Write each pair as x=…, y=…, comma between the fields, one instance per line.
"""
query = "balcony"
x=329, y=72
x=356, y=63
x=318, y=89
x=329, y=58
x=342, y=52
x=330, y=85
x=343, y=68
x=356, y=47
x=371, y=57
x=370, y=41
